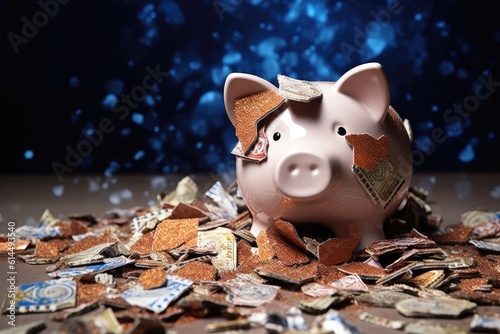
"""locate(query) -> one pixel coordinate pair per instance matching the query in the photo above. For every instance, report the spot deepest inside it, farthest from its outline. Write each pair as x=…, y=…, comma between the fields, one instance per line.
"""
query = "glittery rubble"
x=89, y=292
x=364, y=270
x=59, y=243
x=144, y=244
x=429, y=278
x=249, y=110
x=298, y=274
x=189, y=244
x=368, y=151
x=46, y=250
x=70, y=228
x=244, y=250
x=164, y=256
x=288, y=231
x=453, y=234
x=18, y=245
x=197, y=271
x=148, y=263
x=381, y=247
x=153, y=278
x=247, y=267
x=414, y=264
x=266, y=250
x=89, y=242
x=172, y=233
x=287, y=253
x=328, y=274
x=338, y=250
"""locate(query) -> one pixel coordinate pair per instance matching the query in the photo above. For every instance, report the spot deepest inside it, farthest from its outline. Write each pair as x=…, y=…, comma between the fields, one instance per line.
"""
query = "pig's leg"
x=368, y=235
x=260, y=221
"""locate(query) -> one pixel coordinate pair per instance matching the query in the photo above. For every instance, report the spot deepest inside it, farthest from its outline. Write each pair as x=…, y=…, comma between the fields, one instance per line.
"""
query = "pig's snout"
x=301, y=175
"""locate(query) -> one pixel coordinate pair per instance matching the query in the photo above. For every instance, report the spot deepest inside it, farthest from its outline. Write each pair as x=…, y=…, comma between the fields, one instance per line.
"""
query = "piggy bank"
x=309, y=152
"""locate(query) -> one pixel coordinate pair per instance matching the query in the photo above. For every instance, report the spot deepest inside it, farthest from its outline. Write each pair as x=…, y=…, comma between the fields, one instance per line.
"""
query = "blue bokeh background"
x=59, y=80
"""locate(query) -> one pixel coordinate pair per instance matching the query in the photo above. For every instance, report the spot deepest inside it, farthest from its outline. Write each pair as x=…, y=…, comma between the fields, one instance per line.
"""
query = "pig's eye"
x=276, y=136
x=341, y=131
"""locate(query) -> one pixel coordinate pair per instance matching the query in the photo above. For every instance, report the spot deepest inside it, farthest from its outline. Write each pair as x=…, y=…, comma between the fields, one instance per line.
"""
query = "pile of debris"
x=191, y=257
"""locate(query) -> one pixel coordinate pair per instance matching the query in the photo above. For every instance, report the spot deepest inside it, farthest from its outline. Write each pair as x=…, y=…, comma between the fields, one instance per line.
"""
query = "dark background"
x=63, y=80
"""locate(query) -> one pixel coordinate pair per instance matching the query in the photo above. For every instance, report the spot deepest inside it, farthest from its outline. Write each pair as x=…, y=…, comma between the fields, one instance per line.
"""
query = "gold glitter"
x=227, y=275
x=148, y=263
x=368, y=151
x=429, y=278
x=187, y=318
x=453, y=234
x=470, y=284
x=59, y=243
x=89, y=292
x=396, y=120
x=19, y=245
x=144, y=245
x=89, y=242
x=172, y=233
x=244, y=251
x=338, y=250
x=153, y=278
x=69, y=228
x=127, y=325
x=164, y=256
x=299, y=273
x=249, y=266
x=46, y=250
x=328, y=274
x=286, y=252
x=362, y=269
x=487, y=268
x=123, y=284
x=380, y=247
x=249, y=110
x=197, y=271
x=288, y=231
x=189, y=244
x=266, y=250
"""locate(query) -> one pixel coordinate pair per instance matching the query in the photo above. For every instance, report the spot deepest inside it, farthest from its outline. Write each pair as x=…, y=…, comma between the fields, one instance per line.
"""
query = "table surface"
x=24, y=198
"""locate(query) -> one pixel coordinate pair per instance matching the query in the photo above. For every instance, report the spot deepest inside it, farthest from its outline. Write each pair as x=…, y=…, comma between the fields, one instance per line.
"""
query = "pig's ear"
x=367, y=84
x=240, y=85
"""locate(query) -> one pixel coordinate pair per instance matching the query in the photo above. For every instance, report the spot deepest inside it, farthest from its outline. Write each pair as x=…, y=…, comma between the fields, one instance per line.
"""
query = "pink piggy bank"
x=333, y=153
